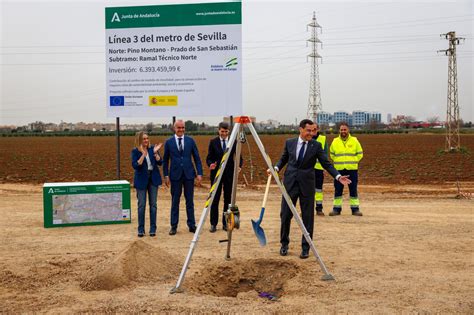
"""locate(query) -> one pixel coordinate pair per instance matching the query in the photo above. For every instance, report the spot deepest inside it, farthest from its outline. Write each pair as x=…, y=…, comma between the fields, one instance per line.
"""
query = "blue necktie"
x=301, y=154
x=223, y=145
x=180, y=145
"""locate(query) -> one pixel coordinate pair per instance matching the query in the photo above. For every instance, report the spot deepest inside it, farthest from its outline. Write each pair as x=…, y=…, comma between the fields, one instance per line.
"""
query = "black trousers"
x=307, y=214
x=226, y=185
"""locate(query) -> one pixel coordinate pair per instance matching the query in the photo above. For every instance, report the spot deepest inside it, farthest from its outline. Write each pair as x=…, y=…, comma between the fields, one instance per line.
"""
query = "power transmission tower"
x=452, y=112
x=314, y=103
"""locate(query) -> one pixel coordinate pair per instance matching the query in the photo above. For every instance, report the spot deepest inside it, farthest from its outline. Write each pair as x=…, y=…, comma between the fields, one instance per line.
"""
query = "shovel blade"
x=259, y=233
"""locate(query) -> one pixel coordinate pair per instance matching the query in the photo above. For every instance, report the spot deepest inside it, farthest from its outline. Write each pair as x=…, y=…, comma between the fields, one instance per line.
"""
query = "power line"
x=349, y=55
x=397, y=26
x=253, y=47
x=358, y=61
x=444, y=18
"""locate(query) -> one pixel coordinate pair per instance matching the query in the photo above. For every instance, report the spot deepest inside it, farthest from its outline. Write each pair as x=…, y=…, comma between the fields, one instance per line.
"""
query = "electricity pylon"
x=452, y=111
x=314, y=103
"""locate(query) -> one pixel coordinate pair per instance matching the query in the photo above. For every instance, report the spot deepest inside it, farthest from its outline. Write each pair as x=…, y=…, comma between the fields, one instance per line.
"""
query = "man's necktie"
x=180, y=145
x=301, y=154
x=223, y=145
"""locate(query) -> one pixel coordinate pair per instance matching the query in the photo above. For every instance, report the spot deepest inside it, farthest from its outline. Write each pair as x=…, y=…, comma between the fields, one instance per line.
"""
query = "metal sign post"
x=117, y=140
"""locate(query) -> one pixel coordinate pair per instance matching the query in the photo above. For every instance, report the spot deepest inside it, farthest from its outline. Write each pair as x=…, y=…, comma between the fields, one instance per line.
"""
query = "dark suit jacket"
x=303, y=174
x=181, y=163
x=215, y=153
x=140, y=177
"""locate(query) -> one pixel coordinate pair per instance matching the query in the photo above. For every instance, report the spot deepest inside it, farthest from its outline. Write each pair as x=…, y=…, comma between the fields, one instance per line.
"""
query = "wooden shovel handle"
x=266, y=191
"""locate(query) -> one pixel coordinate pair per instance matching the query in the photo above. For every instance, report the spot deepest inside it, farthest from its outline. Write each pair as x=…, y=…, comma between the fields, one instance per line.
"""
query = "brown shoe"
x=320, y=213
x=333, y=213
x=357, y=213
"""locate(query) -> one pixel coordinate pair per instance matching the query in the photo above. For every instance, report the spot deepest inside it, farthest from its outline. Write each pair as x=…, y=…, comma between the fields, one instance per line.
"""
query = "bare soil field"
x=411, y=252
x=397, y=158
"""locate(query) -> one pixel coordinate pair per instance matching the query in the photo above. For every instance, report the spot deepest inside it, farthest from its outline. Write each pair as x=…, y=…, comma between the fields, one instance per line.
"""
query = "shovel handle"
x=266, y=191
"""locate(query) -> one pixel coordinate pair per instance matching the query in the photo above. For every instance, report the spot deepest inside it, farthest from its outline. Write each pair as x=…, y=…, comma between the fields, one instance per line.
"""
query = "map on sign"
x=82, y=208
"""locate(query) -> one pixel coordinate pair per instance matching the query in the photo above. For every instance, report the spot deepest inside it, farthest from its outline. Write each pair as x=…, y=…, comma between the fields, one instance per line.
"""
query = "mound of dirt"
x=138, y=262
x=229, y=278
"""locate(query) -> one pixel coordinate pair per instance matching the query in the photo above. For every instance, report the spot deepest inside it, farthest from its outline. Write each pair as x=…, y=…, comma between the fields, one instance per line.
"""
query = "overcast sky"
x=377, y=56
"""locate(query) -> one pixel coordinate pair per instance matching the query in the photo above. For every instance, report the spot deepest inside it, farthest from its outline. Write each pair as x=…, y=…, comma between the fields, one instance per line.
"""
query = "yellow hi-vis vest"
x=321, y=139
x=346, y=154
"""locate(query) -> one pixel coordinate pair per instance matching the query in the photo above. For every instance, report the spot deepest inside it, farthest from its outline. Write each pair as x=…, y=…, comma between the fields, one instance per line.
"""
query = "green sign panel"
x=86, y=203
x=219, y=13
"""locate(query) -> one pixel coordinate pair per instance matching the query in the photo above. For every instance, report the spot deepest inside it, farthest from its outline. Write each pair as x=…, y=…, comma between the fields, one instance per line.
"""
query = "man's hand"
x=345, y=180
x=199, y=180
x=270, y=173
x=167, y=181
x=213, y=166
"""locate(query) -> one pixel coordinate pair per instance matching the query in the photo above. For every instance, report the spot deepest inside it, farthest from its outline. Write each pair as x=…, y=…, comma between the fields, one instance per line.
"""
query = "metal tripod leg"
x=210, y=199
x=238, y=151
x=327, y=275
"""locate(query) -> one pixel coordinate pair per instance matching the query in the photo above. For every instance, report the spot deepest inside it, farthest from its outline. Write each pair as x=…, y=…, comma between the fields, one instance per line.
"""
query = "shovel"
x=259, y=232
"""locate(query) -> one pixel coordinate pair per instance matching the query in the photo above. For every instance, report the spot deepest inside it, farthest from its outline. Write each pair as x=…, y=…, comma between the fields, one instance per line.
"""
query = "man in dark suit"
x=216, y=150
x=180, y=150
x=301, y=155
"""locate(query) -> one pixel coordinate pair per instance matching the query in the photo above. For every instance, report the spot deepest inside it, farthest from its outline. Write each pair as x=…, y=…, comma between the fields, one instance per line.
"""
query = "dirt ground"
x=388, y=158
x=412, y=251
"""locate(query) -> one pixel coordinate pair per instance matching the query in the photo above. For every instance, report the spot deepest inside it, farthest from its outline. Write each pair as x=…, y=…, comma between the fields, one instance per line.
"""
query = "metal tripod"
x=232, y=215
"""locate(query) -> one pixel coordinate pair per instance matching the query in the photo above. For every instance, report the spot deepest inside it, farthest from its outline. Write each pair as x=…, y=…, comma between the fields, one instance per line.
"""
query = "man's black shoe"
x=141, y=234
x=192, y=229
x=284, y=250
x=152, y=234
x=304, y=254
x=172, y=231
x=213, y=229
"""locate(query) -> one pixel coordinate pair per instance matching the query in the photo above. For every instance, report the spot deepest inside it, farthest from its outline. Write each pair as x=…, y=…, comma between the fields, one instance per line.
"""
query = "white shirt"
x=226, y=141
x=150, y=166
x=177, y=141
x=299, y=145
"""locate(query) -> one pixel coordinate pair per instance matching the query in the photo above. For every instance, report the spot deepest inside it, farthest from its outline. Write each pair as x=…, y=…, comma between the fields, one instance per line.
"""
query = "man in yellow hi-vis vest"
x=318, y=171
x=346, y=153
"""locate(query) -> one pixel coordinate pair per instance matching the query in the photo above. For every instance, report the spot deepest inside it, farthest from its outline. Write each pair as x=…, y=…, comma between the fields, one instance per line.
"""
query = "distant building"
x=324, y=118
x=363, y=118
x=341, y=116
x=389, y=118
x=359, y=118
x=269, y=124
x=375, y=117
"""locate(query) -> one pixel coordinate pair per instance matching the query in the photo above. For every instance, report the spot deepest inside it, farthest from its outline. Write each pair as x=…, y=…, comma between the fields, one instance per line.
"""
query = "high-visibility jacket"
x=321, y=139
x=347, y=154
